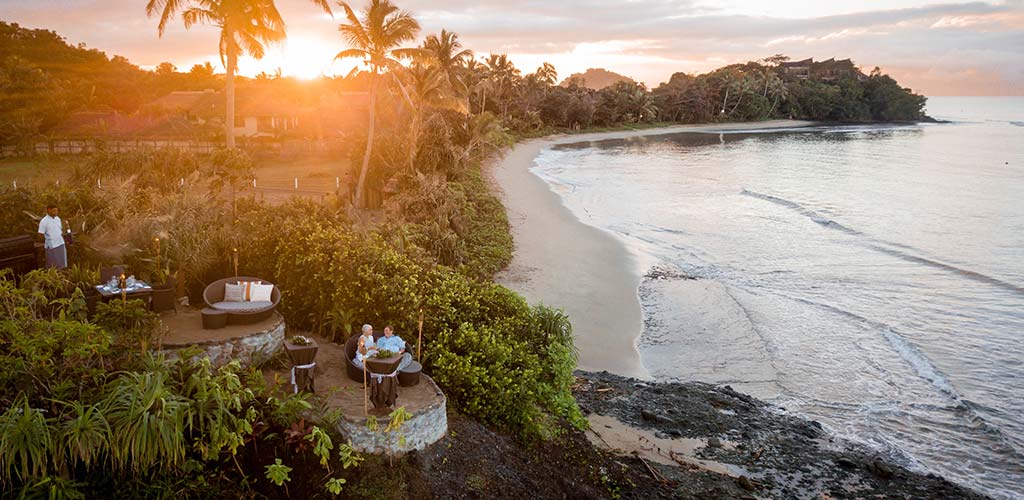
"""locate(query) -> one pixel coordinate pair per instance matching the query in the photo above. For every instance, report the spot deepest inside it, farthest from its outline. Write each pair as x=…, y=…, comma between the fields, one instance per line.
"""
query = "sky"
x=935, y=48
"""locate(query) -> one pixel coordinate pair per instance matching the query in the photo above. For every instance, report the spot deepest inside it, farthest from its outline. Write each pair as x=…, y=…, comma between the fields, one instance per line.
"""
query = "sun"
x=305, y=58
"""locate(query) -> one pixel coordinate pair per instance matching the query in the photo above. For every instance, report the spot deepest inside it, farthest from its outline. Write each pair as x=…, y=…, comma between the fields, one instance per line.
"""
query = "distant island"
x=595, y=79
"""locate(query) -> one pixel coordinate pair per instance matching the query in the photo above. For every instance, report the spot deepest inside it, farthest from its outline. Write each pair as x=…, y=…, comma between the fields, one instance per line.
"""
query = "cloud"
x=933, y=48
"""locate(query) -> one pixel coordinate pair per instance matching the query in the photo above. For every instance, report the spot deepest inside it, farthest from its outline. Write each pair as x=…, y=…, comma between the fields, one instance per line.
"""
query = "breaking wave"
x=884, y=246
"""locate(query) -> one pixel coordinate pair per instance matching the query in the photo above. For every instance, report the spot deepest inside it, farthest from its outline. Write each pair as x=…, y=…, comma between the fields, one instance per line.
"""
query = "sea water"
x=869, y=277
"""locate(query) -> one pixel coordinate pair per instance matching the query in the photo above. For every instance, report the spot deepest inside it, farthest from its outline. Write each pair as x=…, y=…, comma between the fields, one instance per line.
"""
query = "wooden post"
x=419, y=343
x=366, y=398
x=124, y=293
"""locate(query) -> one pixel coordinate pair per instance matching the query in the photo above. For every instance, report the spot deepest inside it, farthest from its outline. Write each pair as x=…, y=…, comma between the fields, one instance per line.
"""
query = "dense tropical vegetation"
x=43, y=79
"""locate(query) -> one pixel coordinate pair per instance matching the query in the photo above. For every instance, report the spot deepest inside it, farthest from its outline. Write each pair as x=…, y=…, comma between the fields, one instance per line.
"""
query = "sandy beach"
x=562, y=262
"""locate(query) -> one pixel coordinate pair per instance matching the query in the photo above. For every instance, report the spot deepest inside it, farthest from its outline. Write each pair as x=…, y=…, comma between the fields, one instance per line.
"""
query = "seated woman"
x=366, y=346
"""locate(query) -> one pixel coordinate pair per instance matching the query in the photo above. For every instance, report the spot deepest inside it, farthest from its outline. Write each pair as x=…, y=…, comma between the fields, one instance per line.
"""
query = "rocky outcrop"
x=425, y=427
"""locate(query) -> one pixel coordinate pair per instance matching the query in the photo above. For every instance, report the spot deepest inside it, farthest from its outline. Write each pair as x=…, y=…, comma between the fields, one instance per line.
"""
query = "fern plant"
x=25, y=442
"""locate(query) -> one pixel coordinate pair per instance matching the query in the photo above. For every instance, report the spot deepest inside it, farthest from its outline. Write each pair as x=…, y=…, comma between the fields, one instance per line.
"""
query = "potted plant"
x=163, y=283
x=86, y=278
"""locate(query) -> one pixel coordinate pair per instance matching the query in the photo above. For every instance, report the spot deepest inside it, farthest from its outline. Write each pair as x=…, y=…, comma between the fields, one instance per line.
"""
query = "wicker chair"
x=240, y=314
x=353, y=371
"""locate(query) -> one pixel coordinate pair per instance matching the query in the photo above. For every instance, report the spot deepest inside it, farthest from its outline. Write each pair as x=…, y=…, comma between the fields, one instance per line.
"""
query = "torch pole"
x=419, y=342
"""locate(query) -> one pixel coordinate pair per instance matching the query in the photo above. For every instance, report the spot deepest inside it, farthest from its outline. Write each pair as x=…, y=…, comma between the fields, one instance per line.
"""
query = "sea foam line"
x=877, y=244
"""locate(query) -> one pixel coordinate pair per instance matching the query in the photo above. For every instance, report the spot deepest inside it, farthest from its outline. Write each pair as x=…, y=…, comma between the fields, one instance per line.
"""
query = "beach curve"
x=588, y=272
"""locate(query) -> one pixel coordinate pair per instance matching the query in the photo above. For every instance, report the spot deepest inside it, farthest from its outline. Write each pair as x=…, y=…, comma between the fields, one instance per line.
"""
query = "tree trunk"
x=361, y=183
x=738, y=101
x=414, y=139
x=229, y=94
x=725, y=100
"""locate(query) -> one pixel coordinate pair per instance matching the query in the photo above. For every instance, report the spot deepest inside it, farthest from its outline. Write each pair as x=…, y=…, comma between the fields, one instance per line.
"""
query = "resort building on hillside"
x=797, y=69
x=190, y=106
x=829, y=71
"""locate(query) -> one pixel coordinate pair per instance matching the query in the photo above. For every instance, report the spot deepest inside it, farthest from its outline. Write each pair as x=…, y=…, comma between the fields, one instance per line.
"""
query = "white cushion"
x=247, y=288
x=234, y=293
x=260, y=293
x=242, y=307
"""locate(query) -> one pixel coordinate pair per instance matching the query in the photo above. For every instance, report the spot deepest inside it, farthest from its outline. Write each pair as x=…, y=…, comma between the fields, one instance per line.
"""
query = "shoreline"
x=561, y=261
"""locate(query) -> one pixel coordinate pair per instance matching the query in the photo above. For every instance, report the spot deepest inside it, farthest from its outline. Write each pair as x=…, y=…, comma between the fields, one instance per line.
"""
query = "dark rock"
x=880, y=469
x=675, y=433
x=640, y=385
x=746, y=483
x=714, y=442
x=648, y=416
x=846, y=463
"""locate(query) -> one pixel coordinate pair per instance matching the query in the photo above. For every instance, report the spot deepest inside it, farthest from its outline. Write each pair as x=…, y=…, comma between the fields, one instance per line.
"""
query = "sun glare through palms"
x=304, y=58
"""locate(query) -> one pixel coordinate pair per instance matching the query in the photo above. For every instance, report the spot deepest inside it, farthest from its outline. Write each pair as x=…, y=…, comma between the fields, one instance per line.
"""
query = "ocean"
x=868, y=277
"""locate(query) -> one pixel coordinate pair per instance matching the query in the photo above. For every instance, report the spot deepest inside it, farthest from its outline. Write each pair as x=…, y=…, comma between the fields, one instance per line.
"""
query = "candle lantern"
x=234, y=258
x=123, y=283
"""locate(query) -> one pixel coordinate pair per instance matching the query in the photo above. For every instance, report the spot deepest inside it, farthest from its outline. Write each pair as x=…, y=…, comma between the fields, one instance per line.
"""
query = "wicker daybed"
x=240, y=313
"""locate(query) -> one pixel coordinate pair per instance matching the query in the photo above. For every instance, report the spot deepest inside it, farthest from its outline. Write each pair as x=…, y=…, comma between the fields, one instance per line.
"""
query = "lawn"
x=275, y=179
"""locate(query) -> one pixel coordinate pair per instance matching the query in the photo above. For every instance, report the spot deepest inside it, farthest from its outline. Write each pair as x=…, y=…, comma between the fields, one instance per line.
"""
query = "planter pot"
x=163, y=299
x=92, y=297
x=383, y=366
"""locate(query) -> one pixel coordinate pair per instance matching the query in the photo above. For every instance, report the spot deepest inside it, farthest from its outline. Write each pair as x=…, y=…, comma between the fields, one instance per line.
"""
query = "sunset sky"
x=937, y=48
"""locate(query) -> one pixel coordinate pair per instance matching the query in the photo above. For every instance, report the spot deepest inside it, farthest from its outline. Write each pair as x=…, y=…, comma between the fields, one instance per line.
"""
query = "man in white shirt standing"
x=51, y=229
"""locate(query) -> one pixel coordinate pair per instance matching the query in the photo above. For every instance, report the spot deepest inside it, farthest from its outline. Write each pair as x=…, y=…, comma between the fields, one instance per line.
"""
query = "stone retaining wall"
x=427, y=426
x=246, y=349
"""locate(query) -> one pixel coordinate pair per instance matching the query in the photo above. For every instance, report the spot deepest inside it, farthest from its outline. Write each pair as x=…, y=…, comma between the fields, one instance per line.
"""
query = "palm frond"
x=195, y=15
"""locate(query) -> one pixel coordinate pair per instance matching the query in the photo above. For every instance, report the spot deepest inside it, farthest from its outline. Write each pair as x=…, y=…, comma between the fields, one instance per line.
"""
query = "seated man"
x=366, y=346
x=394, y=343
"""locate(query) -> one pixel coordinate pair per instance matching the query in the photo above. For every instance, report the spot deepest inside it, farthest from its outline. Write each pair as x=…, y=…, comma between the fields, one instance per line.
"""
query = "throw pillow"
x=247, y=287
x=234, y=293
x=261, y=293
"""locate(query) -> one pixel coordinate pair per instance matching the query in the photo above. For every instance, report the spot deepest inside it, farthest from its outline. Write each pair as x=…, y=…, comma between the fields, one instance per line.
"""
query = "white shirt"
x=368, y=344
x=50, y=228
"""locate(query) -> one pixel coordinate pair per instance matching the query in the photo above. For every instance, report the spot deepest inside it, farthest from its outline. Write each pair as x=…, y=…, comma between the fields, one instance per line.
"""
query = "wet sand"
x=562, y=262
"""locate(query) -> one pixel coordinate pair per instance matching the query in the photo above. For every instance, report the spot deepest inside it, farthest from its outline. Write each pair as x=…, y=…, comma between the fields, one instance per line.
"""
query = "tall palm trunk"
x=414, y=139
x=361, y=183
x=229, y=93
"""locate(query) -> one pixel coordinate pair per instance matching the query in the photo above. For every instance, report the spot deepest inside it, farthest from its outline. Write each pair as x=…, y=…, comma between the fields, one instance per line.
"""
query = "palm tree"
x=429, y=90
x=375, y=38
x=547, y=74
x=245, y=26
x=445, y=54
x=504, y=76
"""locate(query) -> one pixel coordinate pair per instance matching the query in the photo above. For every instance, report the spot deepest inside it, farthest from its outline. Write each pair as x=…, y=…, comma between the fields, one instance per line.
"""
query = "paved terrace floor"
x=186, y=328
x=342, y=392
